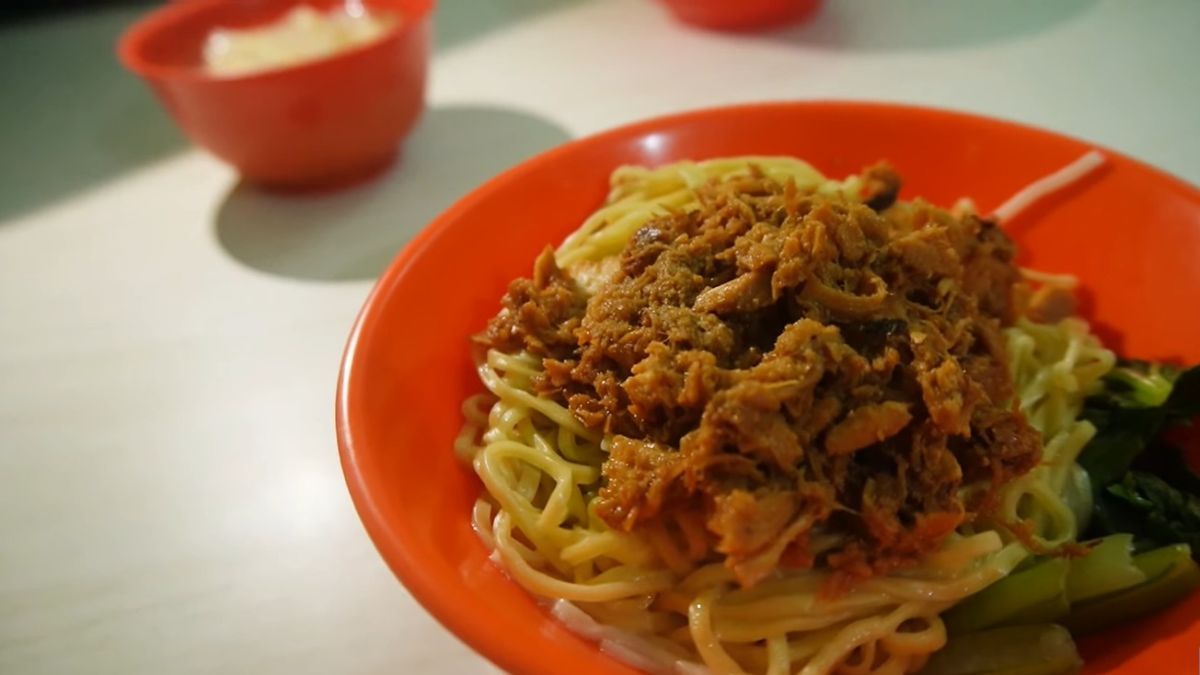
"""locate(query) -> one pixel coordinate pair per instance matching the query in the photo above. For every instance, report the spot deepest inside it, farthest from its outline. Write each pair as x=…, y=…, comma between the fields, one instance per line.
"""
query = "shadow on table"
x=71, y=117
x=355, y=233
x=871, y=25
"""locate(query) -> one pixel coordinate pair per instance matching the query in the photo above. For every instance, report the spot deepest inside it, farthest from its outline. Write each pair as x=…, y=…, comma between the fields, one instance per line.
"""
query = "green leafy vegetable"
x=1168, y=462
x=1113, y=515
x=1141, y=485
x=1165, y=514
x=1044, y=649
x=1034, y=595
x=1138, y=384
x=1139, y=400
x=1171, y=575
x=1107, y=567
x=1103, y=588
x=1184, y=402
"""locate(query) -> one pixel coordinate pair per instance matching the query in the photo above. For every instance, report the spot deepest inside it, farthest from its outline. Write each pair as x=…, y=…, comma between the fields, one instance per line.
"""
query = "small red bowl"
x=737, y=15
x=1129, y=232
x=312, y=124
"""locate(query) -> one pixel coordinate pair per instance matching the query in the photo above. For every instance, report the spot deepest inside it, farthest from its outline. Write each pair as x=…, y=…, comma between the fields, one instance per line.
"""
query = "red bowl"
x=1131, y=233
x=316, y=123
x=739, y=15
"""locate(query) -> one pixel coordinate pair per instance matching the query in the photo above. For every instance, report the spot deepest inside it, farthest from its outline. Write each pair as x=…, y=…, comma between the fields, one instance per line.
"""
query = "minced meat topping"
x=818, y=376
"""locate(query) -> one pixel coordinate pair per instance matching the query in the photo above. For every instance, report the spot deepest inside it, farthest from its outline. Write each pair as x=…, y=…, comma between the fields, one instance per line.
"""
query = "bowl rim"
x=130, y=45
x=416, y=577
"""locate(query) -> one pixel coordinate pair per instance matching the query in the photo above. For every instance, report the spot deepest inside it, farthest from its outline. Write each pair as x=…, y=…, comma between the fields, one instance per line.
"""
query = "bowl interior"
x=1131, y=233
x=172, y=38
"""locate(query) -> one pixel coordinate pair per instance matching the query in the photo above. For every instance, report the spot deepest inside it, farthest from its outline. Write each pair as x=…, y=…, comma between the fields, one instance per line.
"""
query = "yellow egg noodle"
x=644, y=598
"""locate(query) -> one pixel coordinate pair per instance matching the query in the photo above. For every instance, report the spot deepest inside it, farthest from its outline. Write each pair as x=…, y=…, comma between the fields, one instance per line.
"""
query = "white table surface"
x=170, y=495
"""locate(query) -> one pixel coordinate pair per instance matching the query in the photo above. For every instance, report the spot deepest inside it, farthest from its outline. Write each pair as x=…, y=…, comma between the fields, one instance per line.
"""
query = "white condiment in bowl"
x=302, y=35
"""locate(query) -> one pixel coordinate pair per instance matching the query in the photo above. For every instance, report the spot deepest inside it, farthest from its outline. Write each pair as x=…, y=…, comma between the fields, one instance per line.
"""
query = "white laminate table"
x=170, y=494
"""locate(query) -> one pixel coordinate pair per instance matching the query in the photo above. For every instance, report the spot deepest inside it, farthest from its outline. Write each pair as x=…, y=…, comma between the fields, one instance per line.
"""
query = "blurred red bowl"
x=740, y=14
x=313, y=124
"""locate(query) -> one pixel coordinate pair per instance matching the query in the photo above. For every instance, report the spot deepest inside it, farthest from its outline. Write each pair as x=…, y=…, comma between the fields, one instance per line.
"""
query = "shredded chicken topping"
x=818, y=376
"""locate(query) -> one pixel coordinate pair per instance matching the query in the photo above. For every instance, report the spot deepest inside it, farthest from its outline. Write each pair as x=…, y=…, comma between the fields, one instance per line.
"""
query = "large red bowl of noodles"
x=1129, y=232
